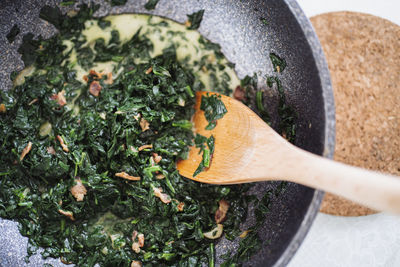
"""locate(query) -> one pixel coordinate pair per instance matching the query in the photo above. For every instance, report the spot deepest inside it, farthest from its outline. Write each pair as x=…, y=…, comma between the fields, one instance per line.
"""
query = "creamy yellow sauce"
x=186, y=42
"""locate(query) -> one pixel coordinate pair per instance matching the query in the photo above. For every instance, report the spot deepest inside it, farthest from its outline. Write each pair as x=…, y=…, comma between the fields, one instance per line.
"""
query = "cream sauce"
x=186, y=42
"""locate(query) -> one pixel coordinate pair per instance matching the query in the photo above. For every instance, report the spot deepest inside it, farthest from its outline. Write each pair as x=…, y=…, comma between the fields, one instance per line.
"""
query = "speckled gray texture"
x=246, y=41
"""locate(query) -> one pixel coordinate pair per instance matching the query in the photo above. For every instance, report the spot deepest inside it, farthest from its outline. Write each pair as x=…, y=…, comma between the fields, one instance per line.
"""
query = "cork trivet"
x=363, y=54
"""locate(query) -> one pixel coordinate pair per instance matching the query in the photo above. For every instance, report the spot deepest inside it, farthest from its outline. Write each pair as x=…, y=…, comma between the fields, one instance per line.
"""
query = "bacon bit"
x=109, y=79
x=156, y=158
x=135, y=247
x=220, y=214
x=3, y=108
x=160, y=176
x=149, y=70
x=139, y=244
x=163, y=197
x=141, y=240
x=145, y=125
x=51, y=150
x=85, y=78
x=145, y=147
x=25, y=151
x=180, y=206
x=95, y=74
x=60, y=98
x=127, y=176
x=63, y=145
x=188, y=23
x=244, y=234
x=33, y=102
x=95, y=88
x=78, y=190
x=284, y=135
x=239, y=93
x=69, y=214
x=134, y=235
x=136, y=264
x=215, y=233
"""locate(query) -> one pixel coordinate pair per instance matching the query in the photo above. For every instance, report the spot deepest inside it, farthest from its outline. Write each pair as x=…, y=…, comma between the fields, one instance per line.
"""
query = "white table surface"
x=334, y=241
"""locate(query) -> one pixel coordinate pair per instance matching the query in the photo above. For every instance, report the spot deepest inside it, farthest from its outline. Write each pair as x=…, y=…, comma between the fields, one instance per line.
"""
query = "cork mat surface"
x=363, y=54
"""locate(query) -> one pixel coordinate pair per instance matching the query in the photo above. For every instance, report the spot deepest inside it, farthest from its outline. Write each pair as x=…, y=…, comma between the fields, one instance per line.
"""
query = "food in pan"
x=91, y=132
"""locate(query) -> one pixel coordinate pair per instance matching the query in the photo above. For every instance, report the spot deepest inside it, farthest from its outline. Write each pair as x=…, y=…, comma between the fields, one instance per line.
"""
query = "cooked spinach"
x=208, y=151
x=259, y=101
x=151, y=4
x=286, y=113
x=67, y=2
x=278, y=63
x=12, y=34
x=264, y=21
x=118, y=2
x=134, y=123
x=195, y=19
x=138, y=124
x=214, y=109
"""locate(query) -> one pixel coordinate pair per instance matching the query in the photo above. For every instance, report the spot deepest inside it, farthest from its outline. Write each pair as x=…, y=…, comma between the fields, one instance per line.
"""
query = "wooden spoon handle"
x=375, y=190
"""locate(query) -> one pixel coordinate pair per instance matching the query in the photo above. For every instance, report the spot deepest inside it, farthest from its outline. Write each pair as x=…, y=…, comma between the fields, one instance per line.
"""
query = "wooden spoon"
x=248, y=150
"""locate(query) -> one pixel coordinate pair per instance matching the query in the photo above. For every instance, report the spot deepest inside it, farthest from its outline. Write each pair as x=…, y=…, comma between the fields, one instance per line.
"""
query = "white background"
x=372, y=240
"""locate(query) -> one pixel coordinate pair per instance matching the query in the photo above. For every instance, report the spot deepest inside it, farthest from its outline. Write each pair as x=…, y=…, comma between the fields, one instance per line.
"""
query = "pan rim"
x=329, y=129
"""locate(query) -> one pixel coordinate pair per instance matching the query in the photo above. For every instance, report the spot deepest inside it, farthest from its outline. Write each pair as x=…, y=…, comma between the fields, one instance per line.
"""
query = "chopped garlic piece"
x=69, y=214
x=78, y=190
x=63, y=145
x=25, y=151
x=127, y=176
x=220, y=214
x=215, y=233
x=145, y=125
x=163, y=197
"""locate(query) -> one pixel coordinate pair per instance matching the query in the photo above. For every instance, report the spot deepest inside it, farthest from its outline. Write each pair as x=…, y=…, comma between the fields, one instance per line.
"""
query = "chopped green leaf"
x=67, y=2
x=13, y=34
x=264, y=21
x=151, y=4
x=214, y=109
x=259, y=101
x=118, y=2
x=278, y=63
x=207, y=152
x=195, y=19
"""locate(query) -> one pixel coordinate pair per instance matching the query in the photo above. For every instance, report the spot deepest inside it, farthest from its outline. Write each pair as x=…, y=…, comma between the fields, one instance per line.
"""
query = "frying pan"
x=247, y=32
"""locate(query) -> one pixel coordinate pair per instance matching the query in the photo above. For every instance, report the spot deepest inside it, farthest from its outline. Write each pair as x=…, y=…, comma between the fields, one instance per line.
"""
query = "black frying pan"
x=246, y=41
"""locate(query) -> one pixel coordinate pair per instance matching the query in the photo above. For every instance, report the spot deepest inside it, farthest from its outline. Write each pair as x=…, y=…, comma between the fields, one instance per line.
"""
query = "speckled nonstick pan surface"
x=246, y=41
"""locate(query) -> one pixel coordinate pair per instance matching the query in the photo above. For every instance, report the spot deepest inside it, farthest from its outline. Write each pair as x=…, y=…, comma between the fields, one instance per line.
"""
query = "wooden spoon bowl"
x=248, y=150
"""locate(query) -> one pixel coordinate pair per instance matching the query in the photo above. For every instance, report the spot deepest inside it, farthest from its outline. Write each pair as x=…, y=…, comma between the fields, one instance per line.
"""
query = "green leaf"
x=151, y=4
x=12, y=34
x=195, y=19
x=278, y=63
